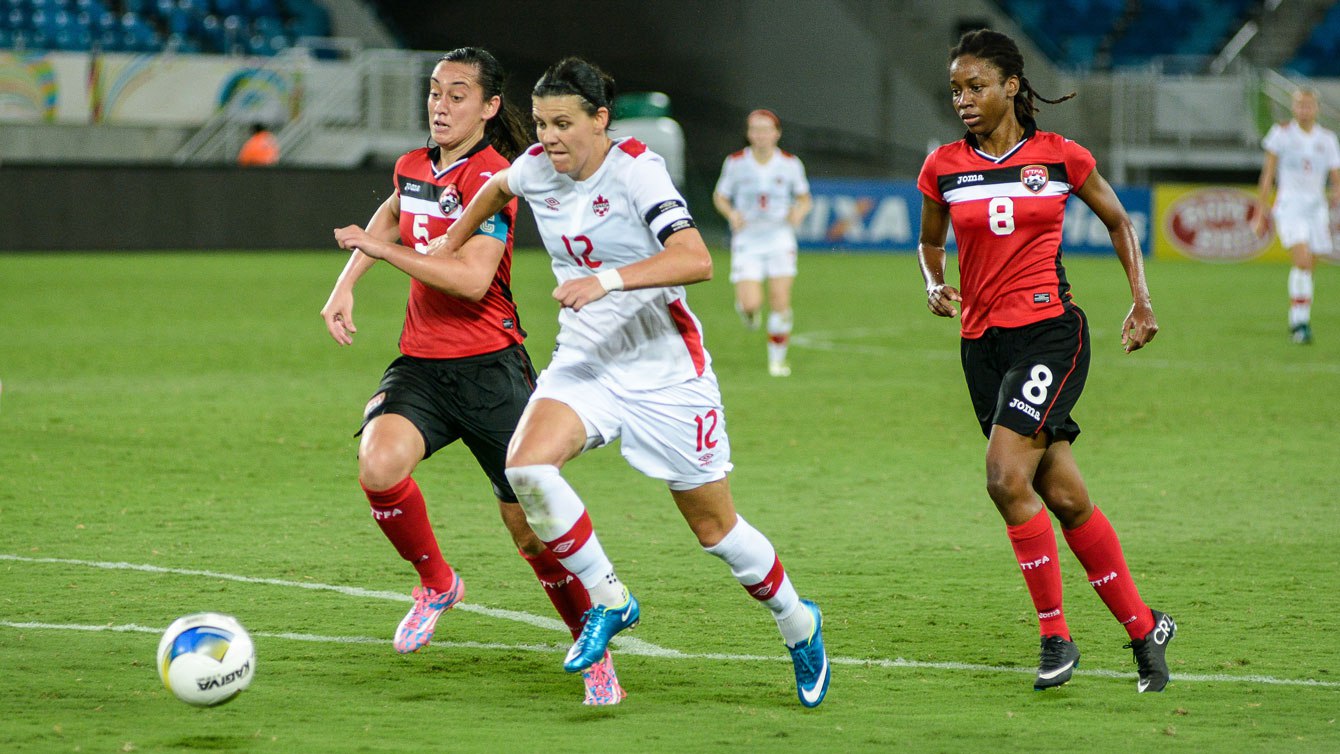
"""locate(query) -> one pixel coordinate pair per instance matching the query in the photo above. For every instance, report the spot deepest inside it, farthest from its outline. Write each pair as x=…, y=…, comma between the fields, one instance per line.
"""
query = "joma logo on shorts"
x=1027, y=409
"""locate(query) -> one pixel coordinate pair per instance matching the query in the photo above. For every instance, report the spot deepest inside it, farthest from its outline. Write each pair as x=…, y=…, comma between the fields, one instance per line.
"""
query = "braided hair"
x=506, y=131
x=1001, y=51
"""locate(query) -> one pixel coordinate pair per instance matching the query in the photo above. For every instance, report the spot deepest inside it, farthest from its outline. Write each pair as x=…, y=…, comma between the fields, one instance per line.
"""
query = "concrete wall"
x=155, y=207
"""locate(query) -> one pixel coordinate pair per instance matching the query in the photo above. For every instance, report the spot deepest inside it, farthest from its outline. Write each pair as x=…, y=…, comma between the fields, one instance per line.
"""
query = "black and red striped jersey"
x=1007, y=214
x=437, y=325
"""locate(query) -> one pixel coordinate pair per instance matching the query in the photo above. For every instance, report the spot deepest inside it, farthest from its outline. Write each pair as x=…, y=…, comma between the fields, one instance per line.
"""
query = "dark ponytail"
x=1001, y=51
x=576, y=76
x=506, y=130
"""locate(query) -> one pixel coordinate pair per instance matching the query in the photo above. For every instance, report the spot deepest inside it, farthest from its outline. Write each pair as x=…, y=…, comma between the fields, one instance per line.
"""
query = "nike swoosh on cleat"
x=1141, y=687
x=811, y=695
x=1053, y=673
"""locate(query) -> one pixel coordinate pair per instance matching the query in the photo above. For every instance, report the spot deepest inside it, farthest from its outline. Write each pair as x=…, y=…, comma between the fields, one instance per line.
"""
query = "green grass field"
x=187, y=417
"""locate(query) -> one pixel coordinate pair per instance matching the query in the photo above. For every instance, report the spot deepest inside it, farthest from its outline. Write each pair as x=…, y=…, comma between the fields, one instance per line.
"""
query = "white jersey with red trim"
x=763, y=192
x=1305, y=160
x=643, y=339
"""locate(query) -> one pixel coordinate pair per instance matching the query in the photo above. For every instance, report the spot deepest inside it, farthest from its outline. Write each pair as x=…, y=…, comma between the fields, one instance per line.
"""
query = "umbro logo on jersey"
x=551, y=202
x=1034, y=177
x=450, y=199
x=601, y=206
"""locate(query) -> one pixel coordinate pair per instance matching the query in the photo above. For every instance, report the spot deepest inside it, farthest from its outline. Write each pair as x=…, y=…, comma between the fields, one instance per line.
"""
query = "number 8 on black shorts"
x=1029, y=378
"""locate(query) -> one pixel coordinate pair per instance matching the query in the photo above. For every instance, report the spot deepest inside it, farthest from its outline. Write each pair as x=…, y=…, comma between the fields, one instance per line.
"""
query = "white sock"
x=754, y=563
x=558, y=517
x=1300, y=297
x=779, y=335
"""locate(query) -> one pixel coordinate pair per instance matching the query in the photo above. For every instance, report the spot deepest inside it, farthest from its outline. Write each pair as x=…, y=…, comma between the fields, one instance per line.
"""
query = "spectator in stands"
x=261, y=149
x=1300, y=156
x=764, y=195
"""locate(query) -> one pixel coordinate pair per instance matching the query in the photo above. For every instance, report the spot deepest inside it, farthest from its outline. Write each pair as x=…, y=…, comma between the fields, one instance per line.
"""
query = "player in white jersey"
x=764, y=195
x=1300, y=156
x=630, y=362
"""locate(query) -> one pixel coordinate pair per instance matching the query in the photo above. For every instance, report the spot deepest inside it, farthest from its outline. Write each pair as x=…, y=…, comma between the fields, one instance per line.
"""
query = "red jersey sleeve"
x=1079, y=163
x=929, y=180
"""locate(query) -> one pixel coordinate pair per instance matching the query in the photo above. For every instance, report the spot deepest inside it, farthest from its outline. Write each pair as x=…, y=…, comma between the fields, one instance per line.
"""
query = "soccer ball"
x=206, y=659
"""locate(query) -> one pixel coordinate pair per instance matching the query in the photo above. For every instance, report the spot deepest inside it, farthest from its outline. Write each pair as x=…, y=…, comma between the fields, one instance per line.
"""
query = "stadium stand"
x=1319, y=55
x=1088, y=35
x=231, y=27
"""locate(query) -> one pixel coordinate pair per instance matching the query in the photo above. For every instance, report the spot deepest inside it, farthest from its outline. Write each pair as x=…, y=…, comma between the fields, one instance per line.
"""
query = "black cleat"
x=1301, y=334
x=1150, y=653
x=1057, y=662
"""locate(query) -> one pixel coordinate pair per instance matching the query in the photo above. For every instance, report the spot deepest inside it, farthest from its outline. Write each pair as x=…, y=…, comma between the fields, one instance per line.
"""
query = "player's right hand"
x=338, y=314
x=940, y=300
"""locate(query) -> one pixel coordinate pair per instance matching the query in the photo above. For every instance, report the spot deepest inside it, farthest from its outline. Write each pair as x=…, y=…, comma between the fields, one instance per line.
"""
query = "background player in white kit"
x=1300, y=156
x=629, y=362
x=764, y=195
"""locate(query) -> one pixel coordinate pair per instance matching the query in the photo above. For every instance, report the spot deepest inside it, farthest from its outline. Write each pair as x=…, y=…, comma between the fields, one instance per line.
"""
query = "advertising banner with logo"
x=874, y=215
x=1214, y=224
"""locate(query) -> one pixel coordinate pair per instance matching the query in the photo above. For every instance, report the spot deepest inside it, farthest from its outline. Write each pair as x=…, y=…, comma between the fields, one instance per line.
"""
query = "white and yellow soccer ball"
x=206, y=659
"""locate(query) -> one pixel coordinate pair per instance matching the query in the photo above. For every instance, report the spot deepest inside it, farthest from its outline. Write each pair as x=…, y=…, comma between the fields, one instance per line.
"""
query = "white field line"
x=634, y=647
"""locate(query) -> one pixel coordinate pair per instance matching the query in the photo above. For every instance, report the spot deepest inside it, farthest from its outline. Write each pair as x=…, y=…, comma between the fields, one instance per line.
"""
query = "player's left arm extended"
x=1140, y=325
x=466, y=274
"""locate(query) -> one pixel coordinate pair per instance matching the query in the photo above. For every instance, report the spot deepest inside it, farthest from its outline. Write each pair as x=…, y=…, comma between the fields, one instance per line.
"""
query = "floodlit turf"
x=188, y=412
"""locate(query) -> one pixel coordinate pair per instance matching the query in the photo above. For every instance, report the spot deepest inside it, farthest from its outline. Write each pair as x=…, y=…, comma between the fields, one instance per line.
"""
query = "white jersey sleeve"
x=655, y=197
x=726, y=181
x=1271, y=141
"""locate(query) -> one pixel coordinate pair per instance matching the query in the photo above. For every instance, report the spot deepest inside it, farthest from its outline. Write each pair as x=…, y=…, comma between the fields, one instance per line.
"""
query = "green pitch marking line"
x=627, y=646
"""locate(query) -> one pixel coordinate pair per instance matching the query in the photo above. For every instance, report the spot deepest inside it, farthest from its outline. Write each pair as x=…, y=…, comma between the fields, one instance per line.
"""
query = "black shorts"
x=478, y=399
x=1029, y=378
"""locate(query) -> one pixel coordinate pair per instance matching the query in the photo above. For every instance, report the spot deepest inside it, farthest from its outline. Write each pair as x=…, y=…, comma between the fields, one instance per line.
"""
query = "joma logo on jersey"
x=1034, y=177
x=450, y=199
x=601, y=206
x=974, y=178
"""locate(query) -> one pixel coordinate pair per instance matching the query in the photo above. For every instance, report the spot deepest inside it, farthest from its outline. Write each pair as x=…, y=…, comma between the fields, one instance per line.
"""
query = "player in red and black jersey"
x=464, y=373
x=1025, y=344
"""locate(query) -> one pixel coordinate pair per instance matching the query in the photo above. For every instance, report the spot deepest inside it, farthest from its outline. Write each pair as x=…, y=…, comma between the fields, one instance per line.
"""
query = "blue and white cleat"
x=811, y=662
x=600, y=625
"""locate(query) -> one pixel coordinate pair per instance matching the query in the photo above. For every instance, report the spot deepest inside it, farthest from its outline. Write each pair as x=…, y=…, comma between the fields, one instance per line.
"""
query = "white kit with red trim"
x=643, y=339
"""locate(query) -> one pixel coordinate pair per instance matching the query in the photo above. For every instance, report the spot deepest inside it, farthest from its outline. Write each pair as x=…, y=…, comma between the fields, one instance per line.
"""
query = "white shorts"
x=676, y=433
x=755, y=256
x=1307, y=224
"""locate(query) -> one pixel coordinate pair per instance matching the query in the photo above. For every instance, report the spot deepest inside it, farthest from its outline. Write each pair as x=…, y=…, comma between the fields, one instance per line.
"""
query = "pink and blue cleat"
x=416, y=630
x=602, y=685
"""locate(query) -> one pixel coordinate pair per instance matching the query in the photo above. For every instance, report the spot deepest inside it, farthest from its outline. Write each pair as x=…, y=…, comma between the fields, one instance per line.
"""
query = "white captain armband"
x=668, y=218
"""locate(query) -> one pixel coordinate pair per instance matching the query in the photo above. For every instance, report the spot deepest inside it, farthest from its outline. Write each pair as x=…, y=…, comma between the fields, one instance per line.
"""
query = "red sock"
x=1095, y=543
x=403, y=517
x=1034, y=545
x=565, y=590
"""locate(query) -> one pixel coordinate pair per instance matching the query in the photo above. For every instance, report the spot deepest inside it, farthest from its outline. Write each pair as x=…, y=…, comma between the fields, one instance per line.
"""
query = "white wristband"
x=610, y=280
